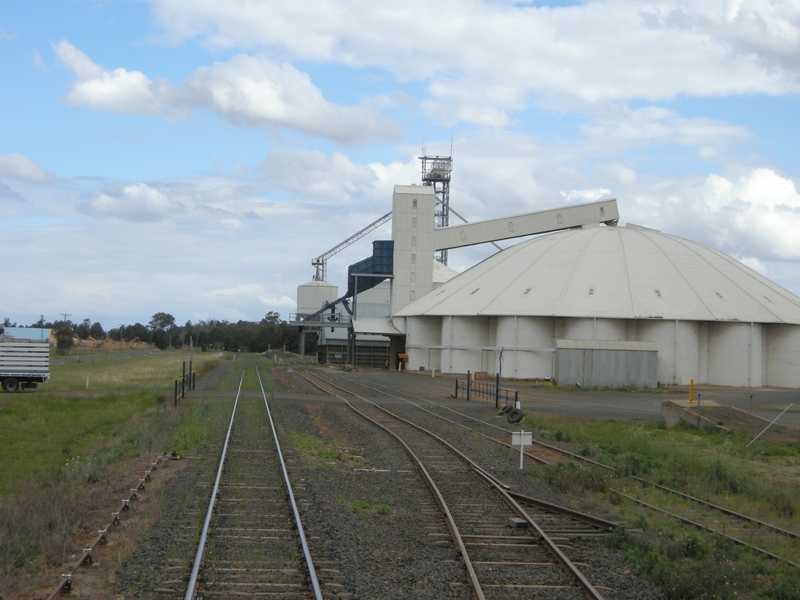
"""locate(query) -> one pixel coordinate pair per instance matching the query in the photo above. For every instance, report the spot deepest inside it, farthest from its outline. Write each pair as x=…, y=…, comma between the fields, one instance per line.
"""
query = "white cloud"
x=315, y=175
x=118, y=90
x=37, y=61
x=615, y=173
x=579, y=196
x=760, y=213
x=335, y=180
x=138, y=203
x=252, y=291
x=622, y=127
x=232, y=223
x=6, y=36
x=246, y=91
x=19, y=166
x=755, y=264
x=488, y=58
x=767, y=30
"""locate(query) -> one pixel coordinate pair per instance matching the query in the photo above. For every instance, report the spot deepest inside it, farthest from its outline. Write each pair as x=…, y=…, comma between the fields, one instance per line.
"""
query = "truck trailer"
x=24, y=357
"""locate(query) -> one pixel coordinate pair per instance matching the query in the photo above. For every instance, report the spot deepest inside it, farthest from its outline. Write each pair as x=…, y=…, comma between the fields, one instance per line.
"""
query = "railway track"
x=512, y=546
x=252, y=543
x=539, y=453
x=762, y=537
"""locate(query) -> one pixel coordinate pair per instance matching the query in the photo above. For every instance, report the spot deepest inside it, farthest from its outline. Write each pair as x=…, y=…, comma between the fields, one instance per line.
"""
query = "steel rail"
x=201, y=546
x=492, y=425
x=445, y=443
x=568, y=512
x=721, y=509
x=705, y=527
x=590, y=591
x=451, y=524
x=312, y=573
x=502, y=443
x=578, y=457
x=610, y=526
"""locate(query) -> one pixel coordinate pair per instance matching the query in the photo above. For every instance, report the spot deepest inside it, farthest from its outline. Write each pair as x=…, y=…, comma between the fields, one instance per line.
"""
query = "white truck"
x=24, y=357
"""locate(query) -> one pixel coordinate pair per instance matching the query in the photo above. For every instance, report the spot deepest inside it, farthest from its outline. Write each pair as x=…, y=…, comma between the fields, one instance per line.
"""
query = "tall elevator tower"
x=436, y=171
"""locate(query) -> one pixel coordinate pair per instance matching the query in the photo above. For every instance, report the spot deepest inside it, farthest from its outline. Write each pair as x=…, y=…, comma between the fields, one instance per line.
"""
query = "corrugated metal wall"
x=606, y=368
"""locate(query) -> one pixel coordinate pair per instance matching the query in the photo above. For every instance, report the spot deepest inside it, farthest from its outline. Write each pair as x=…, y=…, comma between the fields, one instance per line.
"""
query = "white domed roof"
x=442, y=273
x=612, y=272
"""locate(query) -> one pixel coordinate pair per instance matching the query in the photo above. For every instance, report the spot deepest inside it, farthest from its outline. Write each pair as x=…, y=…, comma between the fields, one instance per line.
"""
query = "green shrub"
x=569, y=477
x=358, y=506
x=684, y=425
x=725, y=479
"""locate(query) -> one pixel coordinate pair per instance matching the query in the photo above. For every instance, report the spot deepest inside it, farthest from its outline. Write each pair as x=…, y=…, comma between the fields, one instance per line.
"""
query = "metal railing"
x=333, y=320
x=184, y=382
x=486, y=390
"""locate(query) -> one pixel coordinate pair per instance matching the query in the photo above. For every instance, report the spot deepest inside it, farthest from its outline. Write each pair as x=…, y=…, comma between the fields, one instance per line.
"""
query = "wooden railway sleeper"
x=590, y=591
x=65, y=586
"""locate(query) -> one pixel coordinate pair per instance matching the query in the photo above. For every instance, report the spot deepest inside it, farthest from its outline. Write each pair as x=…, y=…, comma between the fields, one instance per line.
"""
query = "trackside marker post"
x=521, y=439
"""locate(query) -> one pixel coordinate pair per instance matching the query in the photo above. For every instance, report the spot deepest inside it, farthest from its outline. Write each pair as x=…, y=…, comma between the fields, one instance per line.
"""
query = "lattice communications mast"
x=436, y=171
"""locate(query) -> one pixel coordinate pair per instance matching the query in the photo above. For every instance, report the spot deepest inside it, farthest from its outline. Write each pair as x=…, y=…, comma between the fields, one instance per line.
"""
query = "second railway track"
x=511, y=548
x=762, y=537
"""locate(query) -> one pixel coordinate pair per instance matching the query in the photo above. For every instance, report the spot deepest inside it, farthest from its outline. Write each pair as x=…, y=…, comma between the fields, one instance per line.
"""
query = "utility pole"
x=65, y=316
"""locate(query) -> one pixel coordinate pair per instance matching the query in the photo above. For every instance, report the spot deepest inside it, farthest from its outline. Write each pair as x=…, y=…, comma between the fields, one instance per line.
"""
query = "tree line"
x=163, y=332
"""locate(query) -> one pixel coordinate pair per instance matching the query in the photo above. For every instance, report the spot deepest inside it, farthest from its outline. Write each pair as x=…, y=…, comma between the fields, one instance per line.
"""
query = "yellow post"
x=433, y=372
x=691, y=390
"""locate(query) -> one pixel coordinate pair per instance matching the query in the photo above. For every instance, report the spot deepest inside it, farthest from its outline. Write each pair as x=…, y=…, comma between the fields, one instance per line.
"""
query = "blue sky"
x=193, y=157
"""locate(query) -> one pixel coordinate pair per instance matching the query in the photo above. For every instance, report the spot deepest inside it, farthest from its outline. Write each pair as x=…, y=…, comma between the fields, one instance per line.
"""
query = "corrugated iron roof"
x=612, y=272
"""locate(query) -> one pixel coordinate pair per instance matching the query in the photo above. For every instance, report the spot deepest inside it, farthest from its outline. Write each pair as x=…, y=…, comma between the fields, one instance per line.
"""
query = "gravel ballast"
x=372, y=523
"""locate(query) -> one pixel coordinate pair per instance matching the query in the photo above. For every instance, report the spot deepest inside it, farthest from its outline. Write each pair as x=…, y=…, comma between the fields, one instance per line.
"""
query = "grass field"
x=155, y=371
x=61, y=446
x=52, y=436
x=762, y=480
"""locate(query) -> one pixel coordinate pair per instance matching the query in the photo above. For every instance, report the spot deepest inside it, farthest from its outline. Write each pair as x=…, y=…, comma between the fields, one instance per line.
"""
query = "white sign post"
x=521, y=439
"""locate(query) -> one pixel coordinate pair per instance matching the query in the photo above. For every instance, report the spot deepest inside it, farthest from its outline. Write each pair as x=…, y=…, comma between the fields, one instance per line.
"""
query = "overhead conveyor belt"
x=543, y=221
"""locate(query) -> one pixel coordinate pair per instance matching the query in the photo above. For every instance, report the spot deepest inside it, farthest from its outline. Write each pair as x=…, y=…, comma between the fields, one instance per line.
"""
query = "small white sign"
x=522, y=438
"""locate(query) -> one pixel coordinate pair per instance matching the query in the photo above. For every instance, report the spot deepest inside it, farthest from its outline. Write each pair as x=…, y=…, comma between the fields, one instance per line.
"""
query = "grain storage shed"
x=709, y=317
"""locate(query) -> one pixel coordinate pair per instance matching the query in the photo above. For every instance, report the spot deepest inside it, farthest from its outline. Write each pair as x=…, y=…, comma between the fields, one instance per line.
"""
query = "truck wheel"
x=11, y=385
x=514, y=416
